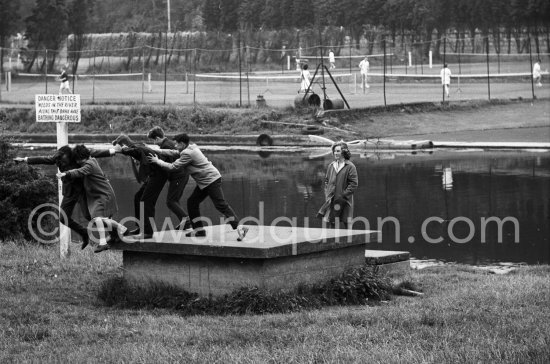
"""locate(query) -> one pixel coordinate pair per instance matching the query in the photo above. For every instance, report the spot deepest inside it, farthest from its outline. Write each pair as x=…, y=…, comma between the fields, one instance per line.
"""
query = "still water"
x=454, y=189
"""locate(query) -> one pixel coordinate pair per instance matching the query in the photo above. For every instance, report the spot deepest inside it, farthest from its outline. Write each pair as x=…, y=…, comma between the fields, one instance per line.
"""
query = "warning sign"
x=57, y=108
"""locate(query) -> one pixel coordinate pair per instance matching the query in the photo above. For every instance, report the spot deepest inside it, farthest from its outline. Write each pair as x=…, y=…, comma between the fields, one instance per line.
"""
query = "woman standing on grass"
x=100, y=196
x=341, y=181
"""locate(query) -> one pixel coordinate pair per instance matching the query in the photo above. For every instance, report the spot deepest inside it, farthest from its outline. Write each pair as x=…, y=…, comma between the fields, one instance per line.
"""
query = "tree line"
x=46, y=23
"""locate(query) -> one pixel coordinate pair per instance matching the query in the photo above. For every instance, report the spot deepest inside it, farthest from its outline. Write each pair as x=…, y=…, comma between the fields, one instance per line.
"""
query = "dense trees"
x=419, y=20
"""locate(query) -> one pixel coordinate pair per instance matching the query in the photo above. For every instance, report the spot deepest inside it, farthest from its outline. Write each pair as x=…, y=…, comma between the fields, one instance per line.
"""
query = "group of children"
x=85, y=183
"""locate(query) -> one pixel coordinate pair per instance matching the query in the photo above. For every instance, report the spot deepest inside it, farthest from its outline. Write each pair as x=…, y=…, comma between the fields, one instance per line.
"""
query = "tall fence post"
x=46, y=74
x=384, y=70
x=531, y=67
x=459, y=90
x=248, y=70
x=165, y=66
x=488, y=79
x=444, y=61
x=93, y=78
x=240, y=72
x=194, y=78
x=142, y=75
x=350, y=51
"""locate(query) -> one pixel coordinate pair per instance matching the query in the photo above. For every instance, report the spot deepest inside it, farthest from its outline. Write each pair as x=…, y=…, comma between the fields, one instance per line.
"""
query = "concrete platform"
x=270, y=257
x=392, y=263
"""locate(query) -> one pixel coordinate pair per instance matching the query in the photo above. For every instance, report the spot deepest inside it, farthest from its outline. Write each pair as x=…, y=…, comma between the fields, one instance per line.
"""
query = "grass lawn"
x=49, y=312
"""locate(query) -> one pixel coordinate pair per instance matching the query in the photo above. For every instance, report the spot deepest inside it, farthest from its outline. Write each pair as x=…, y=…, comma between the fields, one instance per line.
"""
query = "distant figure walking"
x=341, y=181
x=537, y=75
x=331, y=59
x=305, y=78
x=64, y=78
x=364, y=66
x=446, y=79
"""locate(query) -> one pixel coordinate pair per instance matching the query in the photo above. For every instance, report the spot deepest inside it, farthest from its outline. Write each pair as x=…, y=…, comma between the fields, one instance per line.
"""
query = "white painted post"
x=410, y=60
x=288, y=62
x=150, y=88
x=186, y=82
x=430, y=58
x=64, y=231
x=61, y=109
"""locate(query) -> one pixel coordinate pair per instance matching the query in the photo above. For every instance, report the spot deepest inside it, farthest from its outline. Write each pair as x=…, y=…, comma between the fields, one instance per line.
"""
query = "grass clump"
x=355, y=286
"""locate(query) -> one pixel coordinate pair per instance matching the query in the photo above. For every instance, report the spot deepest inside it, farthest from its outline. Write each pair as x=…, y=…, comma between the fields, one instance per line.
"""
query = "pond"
x=435, y=205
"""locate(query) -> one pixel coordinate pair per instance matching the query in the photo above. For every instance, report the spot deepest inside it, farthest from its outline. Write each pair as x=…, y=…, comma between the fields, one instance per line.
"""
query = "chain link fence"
x=160, y=69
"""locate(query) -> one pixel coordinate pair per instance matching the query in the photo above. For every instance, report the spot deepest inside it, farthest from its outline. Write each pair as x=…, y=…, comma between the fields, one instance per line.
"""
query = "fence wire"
x=245, y=75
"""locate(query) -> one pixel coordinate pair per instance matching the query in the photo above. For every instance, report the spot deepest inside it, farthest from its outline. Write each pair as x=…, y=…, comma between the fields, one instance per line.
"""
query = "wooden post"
x=64, y=230
x=60, y=109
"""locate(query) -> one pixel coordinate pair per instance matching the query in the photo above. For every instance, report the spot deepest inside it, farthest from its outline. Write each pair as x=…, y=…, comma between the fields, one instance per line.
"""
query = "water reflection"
x=407, y=187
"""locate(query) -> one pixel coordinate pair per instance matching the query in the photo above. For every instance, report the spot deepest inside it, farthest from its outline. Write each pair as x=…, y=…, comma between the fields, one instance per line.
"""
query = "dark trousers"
x=175, y=191
x=151, y=191
x=215, y=192
x=67, y=206
x=177, y=182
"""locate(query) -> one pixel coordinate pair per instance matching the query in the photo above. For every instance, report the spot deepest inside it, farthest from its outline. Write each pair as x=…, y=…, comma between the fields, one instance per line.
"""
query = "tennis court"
x=280, y=90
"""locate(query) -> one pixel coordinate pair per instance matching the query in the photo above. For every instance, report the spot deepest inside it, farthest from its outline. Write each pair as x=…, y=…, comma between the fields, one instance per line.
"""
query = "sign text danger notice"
x=57, y=108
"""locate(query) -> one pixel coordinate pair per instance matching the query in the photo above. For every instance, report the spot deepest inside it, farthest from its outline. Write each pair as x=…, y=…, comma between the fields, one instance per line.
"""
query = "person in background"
x=64, y=79
x=537, y=75
x=209, y=184
x=72, y=188
x=341, y=181
x=446, y=79
x=305, y=77
x=331, y=59
x=364, y=66
x=100, y=196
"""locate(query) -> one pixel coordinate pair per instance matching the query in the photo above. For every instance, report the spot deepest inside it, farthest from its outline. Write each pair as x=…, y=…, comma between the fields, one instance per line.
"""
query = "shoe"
x=100, y=248
x=184, y=225
x=131, y=232
x=367, y=86
x=241, y=231
x=539, y=84
x=196, y=233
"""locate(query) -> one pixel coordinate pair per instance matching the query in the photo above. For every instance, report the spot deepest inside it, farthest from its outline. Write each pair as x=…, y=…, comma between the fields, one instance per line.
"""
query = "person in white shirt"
x=305, y=78
x=364, y=66
x=446, y=78
x=331, y=59
x=537, y=76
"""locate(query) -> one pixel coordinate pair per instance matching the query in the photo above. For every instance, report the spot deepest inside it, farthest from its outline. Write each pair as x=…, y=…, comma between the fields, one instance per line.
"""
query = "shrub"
x=354, y=286
x=22, y=188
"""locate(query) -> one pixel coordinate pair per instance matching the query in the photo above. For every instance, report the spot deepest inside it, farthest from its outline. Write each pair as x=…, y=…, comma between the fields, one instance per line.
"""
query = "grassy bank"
x=49, y=312
x=396, y=120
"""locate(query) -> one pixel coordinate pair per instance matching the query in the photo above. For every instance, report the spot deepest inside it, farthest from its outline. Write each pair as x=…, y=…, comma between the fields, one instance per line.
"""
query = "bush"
x=353, y=287
x=22, y=188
